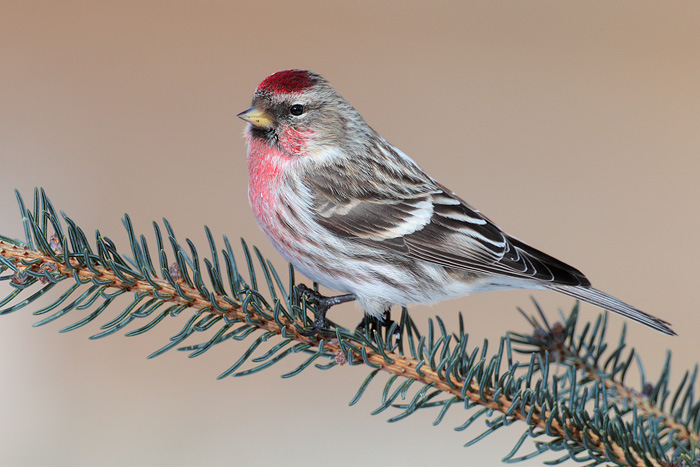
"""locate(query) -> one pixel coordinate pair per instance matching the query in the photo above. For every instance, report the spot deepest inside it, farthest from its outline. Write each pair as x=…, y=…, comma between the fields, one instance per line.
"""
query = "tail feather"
x=605, y=301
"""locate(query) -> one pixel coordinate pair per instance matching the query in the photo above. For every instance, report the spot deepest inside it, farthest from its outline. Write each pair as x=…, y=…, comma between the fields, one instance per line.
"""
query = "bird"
x=355, y=214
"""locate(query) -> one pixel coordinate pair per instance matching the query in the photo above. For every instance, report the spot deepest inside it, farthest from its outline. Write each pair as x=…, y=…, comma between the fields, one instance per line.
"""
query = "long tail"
x=605, y=301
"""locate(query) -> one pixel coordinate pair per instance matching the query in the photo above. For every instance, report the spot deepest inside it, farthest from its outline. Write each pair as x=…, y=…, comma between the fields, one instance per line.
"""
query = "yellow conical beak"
x=257, y=117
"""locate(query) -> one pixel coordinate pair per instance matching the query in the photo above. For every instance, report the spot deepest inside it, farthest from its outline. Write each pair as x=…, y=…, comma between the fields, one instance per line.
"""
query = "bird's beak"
x=257, y=117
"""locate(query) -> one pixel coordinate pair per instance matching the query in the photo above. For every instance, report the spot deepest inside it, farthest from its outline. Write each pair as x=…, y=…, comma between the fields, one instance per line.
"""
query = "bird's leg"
x=373, y=323
x=323, y=304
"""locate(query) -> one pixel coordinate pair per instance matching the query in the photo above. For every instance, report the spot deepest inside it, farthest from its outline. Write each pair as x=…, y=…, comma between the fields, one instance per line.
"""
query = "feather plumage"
x=356, y=214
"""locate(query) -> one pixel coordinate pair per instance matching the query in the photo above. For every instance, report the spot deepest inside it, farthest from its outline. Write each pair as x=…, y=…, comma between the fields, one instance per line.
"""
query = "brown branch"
x=23, y=258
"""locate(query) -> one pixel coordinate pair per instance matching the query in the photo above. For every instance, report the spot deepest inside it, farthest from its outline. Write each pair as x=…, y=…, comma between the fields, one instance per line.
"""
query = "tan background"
x=574, y=125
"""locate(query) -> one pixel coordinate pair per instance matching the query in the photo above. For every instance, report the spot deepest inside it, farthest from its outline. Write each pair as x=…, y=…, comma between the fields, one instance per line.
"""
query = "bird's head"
x=298, y=112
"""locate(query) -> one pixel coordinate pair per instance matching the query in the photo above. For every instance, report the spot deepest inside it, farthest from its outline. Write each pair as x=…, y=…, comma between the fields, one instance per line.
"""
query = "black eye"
x=296, y=109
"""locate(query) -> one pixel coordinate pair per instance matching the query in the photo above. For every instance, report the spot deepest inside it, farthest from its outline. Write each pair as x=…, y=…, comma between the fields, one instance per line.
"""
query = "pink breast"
x=266, y=167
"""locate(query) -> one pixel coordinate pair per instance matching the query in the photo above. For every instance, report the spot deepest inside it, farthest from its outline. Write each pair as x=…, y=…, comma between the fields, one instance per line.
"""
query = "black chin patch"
x=266, y=134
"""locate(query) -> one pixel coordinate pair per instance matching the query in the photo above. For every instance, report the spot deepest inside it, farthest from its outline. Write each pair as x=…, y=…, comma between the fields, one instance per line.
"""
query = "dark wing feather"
x=425, y=221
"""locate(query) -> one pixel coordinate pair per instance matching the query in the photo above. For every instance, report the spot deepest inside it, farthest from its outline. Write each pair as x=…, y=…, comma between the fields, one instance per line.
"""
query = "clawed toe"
x=323, y=304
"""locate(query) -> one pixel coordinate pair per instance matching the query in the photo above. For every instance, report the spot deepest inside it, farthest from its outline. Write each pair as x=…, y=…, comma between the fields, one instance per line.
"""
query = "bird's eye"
x=296, y=109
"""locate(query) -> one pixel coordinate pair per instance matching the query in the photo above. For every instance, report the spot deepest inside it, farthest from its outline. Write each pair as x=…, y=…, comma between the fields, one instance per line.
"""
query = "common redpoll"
x=353, y=213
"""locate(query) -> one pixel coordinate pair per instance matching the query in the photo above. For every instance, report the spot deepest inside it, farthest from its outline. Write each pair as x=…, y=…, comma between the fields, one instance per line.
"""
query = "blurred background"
x=573, y=125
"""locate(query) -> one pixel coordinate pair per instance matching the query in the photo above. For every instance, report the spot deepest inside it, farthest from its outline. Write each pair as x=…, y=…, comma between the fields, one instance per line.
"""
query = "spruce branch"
x=570, y=392
x=572, y=351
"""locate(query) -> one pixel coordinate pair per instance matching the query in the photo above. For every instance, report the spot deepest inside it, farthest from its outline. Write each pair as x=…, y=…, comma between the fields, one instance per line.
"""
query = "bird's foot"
x=323, y=304
x=371, y=324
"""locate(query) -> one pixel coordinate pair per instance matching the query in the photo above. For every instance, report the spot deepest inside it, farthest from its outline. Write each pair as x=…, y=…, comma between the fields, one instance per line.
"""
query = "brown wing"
x=423, y=220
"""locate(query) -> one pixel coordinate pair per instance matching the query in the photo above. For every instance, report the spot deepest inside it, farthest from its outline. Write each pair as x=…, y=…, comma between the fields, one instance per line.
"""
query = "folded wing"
x=425, y=221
